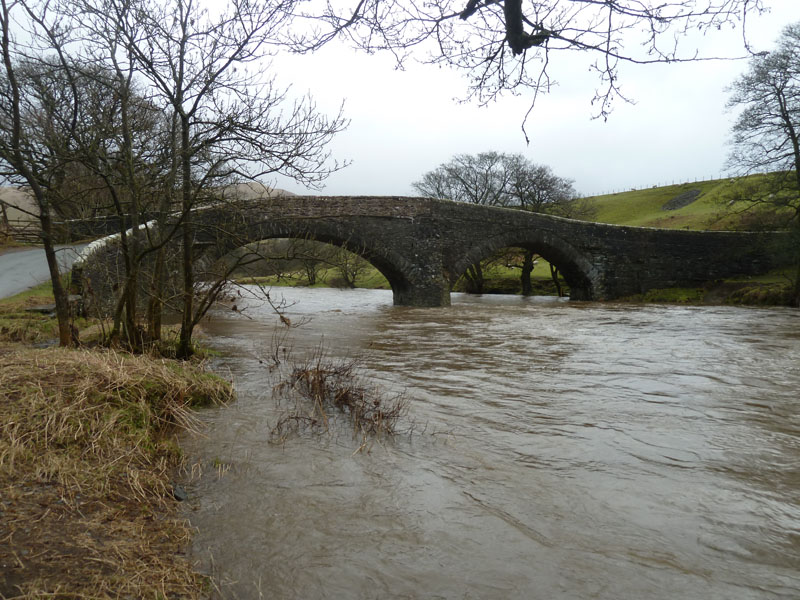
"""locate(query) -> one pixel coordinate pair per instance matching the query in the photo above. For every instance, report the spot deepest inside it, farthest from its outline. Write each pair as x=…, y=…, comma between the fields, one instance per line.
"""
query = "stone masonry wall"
x=424, y=245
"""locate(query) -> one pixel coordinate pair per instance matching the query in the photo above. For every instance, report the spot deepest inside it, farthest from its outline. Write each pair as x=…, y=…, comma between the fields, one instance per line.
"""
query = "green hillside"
x=709, y=205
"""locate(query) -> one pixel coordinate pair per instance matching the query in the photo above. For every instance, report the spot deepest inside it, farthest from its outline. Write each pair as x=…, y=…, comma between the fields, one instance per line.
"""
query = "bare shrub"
x=320, y=385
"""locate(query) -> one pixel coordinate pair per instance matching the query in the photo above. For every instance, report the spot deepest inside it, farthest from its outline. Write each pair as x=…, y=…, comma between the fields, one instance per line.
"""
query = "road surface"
x=24, y=268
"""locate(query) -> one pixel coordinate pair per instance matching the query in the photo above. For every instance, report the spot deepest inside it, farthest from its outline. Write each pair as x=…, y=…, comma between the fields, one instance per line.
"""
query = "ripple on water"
x=561, y=451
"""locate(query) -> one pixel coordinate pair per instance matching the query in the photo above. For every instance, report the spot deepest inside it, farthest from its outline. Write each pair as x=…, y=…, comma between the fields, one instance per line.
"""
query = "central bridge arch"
x=353, y=238
x=392, y=266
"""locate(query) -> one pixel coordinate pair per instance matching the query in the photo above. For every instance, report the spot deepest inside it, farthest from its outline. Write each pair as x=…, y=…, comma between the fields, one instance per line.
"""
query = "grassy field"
x=717, y=205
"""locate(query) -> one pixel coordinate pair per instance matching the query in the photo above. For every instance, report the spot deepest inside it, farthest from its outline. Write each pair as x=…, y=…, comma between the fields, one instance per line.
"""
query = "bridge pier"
x=426, y=296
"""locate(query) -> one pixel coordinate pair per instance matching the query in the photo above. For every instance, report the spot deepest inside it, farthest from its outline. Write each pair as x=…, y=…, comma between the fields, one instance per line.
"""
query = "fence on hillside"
x=656, y=185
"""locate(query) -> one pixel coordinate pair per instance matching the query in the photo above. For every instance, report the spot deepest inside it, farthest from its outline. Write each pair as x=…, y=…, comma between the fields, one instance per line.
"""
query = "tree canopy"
x=497, y=179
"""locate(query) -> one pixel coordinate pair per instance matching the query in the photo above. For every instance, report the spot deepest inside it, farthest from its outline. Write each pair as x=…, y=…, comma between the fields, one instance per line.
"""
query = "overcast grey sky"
x=404, y=123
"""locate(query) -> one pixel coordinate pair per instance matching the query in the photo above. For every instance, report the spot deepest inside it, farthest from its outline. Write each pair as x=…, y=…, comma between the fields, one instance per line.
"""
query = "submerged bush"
x=320, y=385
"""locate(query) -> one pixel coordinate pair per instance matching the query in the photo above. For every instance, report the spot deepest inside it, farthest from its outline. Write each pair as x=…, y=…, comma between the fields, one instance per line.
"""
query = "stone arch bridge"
x=422, y=246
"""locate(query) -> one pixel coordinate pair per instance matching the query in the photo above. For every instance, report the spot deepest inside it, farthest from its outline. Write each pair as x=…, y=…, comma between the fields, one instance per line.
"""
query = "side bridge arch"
x=582, y=276
x=353, y=234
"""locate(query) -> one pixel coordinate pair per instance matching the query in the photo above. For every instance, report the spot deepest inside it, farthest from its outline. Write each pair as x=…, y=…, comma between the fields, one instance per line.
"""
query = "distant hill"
x=18, y=204
x=699, y=205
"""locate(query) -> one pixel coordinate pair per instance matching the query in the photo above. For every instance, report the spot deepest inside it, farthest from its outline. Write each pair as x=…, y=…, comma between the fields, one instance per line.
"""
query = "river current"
x=551, y=450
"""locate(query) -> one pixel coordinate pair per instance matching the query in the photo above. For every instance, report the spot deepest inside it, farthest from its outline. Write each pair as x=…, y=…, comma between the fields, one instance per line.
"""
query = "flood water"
x=556, y=450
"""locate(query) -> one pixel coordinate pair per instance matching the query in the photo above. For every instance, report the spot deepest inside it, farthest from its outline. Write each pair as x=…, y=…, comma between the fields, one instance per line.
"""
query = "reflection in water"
x=560, y=450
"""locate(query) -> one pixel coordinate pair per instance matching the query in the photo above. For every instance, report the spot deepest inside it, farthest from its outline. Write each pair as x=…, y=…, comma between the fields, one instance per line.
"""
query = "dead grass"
x=87, y=457
x=18, y=324
x=320, y=385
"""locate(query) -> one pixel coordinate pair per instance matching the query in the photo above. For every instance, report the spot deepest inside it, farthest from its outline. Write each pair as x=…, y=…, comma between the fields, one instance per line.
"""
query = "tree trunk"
x=527, y=269
x=65, y=335
x=311, y=271
x=475, y=281
x=155, y=303
x=348, y=274
x=133, y=334
x=556, y=281
x=187, y=317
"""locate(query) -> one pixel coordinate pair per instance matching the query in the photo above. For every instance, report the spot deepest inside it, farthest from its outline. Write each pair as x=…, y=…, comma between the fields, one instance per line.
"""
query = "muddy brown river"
x=551, y=450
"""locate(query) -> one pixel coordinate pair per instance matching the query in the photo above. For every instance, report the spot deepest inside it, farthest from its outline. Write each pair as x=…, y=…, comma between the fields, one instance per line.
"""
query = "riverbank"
x=772, y=289
x=89, y=466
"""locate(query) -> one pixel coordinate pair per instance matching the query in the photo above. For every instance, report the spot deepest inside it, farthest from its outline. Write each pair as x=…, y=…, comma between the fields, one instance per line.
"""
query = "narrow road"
x=23, y=268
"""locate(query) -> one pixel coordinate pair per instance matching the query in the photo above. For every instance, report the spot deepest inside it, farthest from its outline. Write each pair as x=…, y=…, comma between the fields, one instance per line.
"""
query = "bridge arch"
x=393, y=266
x=578, y=271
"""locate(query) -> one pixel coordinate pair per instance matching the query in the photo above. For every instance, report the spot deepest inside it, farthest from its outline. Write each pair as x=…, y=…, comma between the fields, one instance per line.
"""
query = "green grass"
x=541, y=270
x=369, y=278
x=783, y=275
x=671, y=296
x=40, y=293
x=717, y=207
x=19, y=325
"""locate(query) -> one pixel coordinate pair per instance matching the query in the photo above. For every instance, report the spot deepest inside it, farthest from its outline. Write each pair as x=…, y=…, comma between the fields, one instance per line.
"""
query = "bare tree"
x=510, y=45
x=581, y=209
x=499, y=179
x=535, y=187
x=482, y=179
x=766, y=134
x=230, y=121
x=496, y=179
x=183, y=107
x=37, y=124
